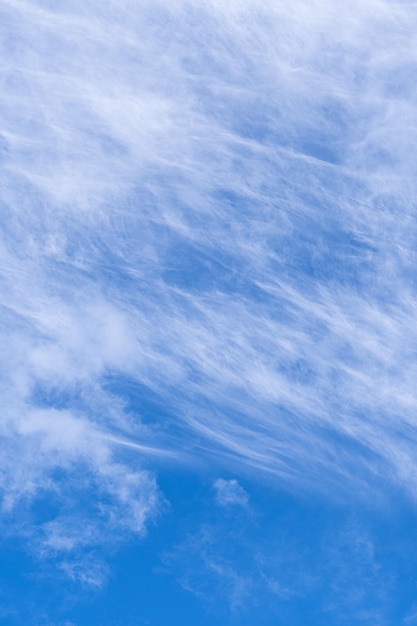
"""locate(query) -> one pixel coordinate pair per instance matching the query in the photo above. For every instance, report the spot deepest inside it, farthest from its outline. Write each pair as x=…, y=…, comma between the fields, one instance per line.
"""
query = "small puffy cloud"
x=230, y=493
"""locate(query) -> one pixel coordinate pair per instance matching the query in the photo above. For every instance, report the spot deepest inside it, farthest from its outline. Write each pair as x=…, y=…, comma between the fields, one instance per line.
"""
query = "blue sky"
x=208, y=304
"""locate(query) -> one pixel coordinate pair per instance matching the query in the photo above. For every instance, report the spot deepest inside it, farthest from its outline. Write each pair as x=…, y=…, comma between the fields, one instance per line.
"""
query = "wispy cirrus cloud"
x=216, y=204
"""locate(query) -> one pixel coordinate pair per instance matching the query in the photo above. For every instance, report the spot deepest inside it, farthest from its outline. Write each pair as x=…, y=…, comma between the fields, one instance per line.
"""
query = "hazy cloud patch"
x=230, y=493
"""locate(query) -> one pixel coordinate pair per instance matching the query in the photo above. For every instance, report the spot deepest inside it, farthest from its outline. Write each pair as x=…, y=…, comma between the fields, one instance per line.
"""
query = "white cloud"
x=218, y=204
x=230, y=493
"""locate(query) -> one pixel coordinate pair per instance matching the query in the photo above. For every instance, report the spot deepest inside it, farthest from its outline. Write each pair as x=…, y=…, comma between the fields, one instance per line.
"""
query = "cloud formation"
x=214, y=205
x=230, y=493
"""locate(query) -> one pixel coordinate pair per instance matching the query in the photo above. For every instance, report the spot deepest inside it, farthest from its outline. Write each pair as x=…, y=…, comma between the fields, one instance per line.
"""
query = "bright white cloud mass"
x=208, y=263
